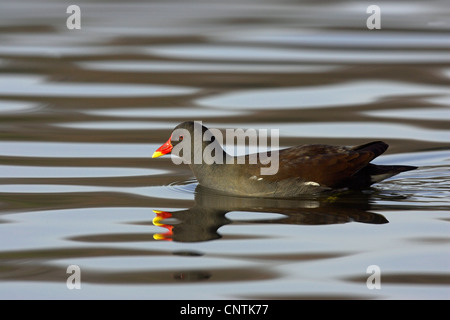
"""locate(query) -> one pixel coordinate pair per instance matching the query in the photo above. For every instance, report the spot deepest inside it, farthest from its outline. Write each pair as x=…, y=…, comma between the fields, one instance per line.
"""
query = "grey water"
x=81, y=112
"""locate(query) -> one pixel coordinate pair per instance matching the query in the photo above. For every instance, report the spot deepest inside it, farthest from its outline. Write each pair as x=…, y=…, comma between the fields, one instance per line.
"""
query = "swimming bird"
x=301, y=170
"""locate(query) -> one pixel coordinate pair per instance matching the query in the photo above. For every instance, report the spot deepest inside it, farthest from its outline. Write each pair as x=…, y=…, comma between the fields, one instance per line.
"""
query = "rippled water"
x=81, y=112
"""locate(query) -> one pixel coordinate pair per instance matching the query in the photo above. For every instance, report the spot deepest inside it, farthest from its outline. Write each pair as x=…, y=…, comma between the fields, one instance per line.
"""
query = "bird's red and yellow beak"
x=164, y=149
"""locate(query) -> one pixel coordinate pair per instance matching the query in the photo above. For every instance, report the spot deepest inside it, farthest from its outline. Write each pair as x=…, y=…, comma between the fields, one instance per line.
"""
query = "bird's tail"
x=379, y=173
x=373, y=173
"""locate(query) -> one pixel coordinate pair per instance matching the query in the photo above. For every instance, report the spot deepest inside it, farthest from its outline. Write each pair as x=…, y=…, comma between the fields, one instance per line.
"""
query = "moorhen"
x=303, y=169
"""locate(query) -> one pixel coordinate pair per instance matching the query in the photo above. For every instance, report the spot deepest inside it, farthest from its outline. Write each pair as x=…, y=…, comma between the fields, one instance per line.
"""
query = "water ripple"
x=33, y=85
x=323, y=96
x=302, y=55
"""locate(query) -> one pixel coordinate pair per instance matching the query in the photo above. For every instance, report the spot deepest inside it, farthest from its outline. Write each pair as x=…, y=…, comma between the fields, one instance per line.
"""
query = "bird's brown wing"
x=329, y=166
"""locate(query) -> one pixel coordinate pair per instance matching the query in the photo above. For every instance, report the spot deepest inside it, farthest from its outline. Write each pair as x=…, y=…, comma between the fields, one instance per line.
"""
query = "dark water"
x=81, y=112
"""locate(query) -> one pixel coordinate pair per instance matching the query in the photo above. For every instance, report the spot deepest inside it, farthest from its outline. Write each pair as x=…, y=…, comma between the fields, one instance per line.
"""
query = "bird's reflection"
x=202, y=221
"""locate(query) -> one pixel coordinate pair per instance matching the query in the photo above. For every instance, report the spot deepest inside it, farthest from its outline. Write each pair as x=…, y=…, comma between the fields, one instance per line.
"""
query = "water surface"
x=81, y=112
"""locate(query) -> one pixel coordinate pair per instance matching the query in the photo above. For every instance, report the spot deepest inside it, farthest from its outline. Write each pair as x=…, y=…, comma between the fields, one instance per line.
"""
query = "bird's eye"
x=181, y=138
